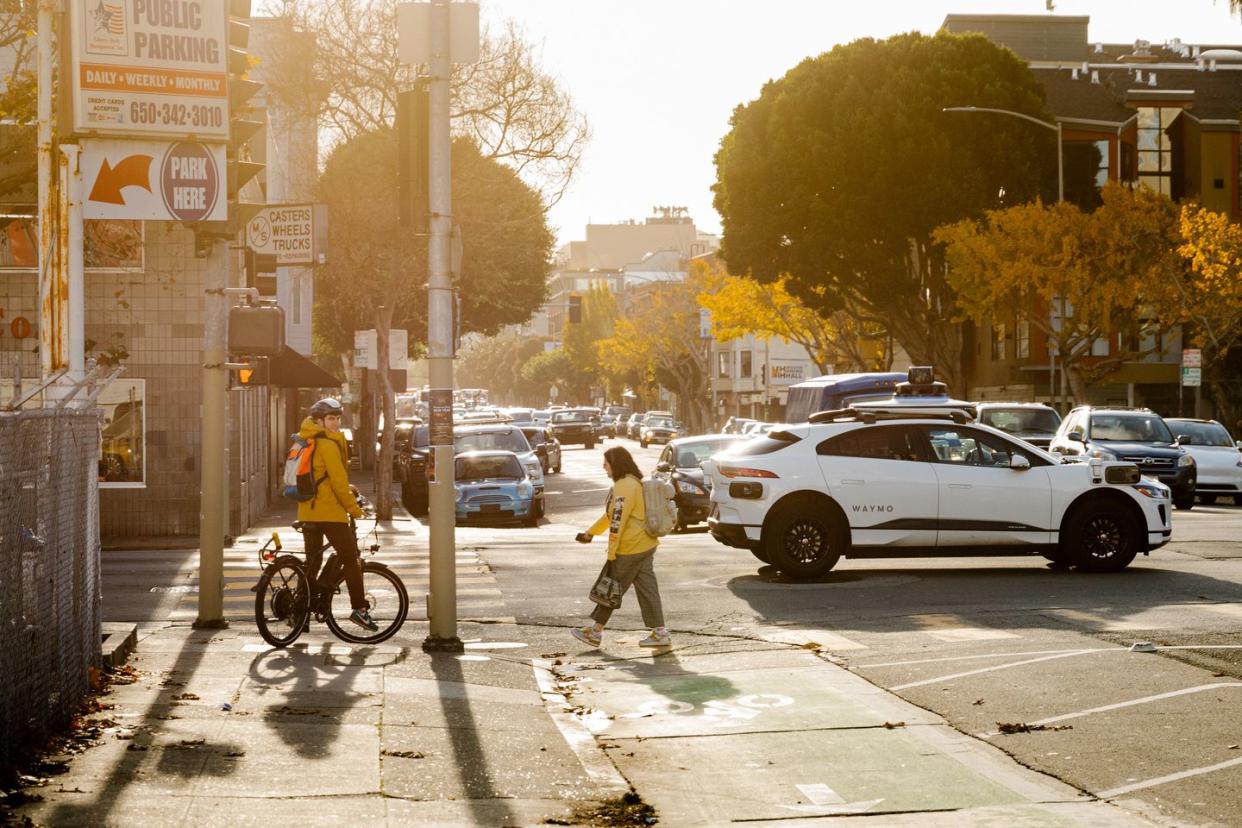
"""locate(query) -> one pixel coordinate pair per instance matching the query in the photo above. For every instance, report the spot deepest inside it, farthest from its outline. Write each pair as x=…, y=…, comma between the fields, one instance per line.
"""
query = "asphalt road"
x=984, y=642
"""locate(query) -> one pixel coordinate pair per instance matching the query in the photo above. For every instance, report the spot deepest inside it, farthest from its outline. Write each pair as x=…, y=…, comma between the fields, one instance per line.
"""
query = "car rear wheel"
x=1100, y=538
x=802, y=541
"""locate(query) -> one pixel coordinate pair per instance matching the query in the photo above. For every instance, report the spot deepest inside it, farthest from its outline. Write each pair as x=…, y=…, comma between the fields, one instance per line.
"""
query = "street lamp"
x=1055, y=127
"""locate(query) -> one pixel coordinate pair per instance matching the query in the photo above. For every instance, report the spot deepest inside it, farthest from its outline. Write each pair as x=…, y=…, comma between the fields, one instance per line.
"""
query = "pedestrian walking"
x=328, y=512
x=631, y=551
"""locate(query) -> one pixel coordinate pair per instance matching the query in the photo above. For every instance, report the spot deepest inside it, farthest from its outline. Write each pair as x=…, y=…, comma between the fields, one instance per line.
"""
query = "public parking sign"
x=149, y=68
x=158, y=180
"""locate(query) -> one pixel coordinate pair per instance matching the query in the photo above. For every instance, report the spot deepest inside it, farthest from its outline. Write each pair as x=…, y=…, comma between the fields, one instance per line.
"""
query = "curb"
x=119, y=639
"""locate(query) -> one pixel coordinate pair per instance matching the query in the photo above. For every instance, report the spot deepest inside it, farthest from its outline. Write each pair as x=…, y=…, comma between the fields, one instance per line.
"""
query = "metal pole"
x=75, y=321
x=1060, y=166
x=442, y=598
x=212, y=450
x=48, y=328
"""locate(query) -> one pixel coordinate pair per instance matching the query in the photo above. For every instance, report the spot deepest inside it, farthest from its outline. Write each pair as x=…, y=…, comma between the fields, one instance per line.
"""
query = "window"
x=722, y=363
x=1100, y=346
x=998, y=341
x=1155, y=150
x=122, y=455
x=882, y=443
x=745, y=370
x=1101, y=172
x=966, y=447
x=112, y=244
x=1022, y=339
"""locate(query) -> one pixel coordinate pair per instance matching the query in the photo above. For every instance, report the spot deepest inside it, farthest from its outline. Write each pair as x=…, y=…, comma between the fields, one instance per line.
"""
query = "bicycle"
x=283, y=606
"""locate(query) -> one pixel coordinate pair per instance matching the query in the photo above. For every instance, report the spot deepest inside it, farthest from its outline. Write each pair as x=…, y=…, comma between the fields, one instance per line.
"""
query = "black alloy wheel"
x=1101, y=538
x=803, y=543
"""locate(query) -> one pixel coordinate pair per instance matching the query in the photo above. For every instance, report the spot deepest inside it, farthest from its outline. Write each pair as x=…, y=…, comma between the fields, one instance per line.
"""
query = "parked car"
x=657, y=428
x=493, y=486
x=634, y=425
x=1035, y=423
x=545, y=445
x=1218, y=459
x=1135, y=435
x=903, y=482
x=573, y=426
x=540, y=416
x=614, y=419
x=503, y=437
x=681, y=463
x=412, y=461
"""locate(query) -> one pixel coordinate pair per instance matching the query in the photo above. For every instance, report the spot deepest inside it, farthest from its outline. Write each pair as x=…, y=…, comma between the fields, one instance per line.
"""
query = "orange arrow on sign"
x=132, y=171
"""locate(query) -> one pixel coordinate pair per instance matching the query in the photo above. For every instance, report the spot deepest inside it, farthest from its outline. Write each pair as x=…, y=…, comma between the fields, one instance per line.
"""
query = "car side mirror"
x=541, y=450
x=663, y=467
x=1019, y=462
x=1184, y=439
x=1076, y=436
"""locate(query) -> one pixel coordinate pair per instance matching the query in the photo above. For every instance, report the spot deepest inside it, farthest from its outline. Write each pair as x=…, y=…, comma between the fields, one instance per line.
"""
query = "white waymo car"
x=894, y=481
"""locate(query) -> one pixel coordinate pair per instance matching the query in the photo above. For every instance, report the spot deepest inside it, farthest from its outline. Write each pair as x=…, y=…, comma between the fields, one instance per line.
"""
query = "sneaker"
x=588, y=635
x=363, y=619
x=657, y=639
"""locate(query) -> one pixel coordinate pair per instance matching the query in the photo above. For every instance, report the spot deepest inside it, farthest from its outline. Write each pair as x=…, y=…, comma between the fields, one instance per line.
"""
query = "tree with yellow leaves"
x=1112, y=270
x=740, y=306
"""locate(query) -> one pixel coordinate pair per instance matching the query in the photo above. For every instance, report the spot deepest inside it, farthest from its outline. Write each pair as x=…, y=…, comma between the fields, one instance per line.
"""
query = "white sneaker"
x=587, y=635
x=657, y=639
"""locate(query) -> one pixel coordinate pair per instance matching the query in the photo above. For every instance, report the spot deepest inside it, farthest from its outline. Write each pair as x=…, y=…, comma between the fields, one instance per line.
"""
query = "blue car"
x=492, y=487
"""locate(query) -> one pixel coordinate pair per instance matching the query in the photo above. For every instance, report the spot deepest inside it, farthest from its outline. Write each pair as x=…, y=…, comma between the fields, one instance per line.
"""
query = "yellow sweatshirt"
x=623, y=518
x=333, y=501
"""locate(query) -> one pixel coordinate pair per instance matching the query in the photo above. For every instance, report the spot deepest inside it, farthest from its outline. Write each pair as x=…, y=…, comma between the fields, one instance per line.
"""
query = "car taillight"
x=742, y=471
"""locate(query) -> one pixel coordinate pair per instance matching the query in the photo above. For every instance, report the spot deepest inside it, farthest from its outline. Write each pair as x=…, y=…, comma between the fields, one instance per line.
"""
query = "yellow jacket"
x=333, y=501
x=623, y=518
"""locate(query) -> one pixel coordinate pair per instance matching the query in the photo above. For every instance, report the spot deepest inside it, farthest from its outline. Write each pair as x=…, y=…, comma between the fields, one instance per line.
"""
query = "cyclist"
x=328, y=513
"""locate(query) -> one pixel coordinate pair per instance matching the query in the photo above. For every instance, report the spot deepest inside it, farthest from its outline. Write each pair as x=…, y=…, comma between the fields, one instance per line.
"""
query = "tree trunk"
x=383, y=464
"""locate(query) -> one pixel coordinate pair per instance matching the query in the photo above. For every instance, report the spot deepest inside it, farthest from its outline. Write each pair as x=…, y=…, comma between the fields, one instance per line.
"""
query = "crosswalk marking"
x=1101, y=623
x=827, y=640
x=949, y=627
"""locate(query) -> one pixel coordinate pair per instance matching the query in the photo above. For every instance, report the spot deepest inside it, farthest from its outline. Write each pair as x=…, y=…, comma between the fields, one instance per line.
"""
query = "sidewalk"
x=525, y=728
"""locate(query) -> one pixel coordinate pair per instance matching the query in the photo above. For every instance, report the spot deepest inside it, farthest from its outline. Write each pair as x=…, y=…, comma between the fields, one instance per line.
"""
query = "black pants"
x=341, y=536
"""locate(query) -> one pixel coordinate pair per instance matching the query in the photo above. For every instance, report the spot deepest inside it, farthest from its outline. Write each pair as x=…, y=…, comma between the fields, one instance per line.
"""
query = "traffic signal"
x=413, y=108
x=256, y=374
x=575, y=309
x=261, y=272
x=245, y=121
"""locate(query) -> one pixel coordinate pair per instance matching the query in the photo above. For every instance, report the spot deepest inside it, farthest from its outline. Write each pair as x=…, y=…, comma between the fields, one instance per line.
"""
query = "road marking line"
x=987, y=655
x=1172, y=777
x=827, y=640
x=1172, y=694
x=949, y=627
x=580, y=740
x=992, y=669
x=821, y=794
x=1098, y=622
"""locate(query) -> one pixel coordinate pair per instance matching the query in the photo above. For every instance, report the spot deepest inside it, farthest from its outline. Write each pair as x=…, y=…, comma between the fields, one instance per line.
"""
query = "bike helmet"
x=325, y=407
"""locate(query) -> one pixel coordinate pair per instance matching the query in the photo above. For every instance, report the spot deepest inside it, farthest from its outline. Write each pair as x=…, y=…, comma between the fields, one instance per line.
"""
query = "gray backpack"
x=661, y=510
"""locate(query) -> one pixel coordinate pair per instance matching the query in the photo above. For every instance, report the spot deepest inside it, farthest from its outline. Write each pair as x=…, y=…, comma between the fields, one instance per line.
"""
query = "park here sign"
x=150, y=68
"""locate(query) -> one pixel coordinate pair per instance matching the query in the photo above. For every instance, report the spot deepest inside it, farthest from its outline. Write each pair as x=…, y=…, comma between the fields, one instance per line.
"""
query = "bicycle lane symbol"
x=717, y=712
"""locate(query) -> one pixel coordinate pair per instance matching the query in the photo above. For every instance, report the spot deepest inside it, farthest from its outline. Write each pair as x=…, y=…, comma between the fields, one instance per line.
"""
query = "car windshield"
x=1133, y=428
x=660, y=422
x=1021, y=420
x=508, y=440
x=618, y=411
x=692, y=455
x=569, y=417
x=487, y=467
x=1201, y=434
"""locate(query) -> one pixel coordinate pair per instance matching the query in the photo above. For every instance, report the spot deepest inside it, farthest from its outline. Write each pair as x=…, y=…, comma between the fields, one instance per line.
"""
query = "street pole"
x=212, y=449
x=442, y=596
x=51, y=350
x=75, y=297
x=1055, y=126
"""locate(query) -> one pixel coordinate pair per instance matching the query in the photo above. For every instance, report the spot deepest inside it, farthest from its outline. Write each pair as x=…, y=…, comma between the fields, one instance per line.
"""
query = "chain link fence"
x=49, y=570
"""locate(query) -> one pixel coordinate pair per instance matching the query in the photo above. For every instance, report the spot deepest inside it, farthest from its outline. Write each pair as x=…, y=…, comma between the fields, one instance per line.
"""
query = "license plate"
x=490, y=507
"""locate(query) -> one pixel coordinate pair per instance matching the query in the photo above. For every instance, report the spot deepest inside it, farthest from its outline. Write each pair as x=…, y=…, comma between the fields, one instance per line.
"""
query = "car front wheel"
x=1185, y=502
x=1101, y=538
x=803, y=542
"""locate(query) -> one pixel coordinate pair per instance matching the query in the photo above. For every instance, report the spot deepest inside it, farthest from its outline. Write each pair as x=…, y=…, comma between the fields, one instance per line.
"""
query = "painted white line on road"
x=1172, y=777
x=992, y=669
x=1172, y=694
x=580, y=740
x=985, y=655
x=827, y=640
x=1098, y=622
x=821, y=794
x=949, y=627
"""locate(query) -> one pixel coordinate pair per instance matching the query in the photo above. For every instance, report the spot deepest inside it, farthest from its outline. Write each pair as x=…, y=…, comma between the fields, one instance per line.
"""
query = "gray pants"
x=636, y=570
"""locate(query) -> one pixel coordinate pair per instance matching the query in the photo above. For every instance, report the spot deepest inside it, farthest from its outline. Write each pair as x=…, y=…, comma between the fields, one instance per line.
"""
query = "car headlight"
x=1151, y=489
x=1185, y=460
x=687, y=487
x=1101, y=454
x=460, y=492
x=525, y=489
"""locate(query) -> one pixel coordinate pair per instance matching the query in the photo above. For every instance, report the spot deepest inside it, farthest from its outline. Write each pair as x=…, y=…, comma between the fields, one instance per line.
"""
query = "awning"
x=289, y=369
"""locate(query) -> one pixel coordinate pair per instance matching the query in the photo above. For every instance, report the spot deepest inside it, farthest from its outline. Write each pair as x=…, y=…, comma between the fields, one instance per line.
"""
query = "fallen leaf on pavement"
x=977, y=701
x=1023, y=727
x=403, y=754
x=891, y=725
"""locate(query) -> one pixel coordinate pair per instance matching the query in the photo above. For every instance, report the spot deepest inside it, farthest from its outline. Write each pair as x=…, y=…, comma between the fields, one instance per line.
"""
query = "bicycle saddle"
x=297, y=525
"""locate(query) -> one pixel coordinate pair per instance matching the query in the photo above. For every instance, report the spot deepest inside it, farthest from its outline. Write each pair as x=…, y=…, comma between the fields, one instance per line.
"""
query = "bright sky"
x=658, y=79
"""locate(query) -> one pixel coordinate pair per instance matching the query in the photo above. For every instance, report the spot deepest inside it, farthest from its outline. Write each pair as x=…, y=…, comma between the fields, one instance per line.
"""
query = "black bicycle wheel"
x=387, y=601
x=280, y=602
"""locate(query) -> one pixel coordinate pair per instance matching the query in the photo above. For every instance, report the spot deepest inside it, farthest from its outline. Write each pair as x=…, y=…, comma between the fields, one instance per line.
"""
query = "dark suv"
x=1135, y=435
x=573, y=427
